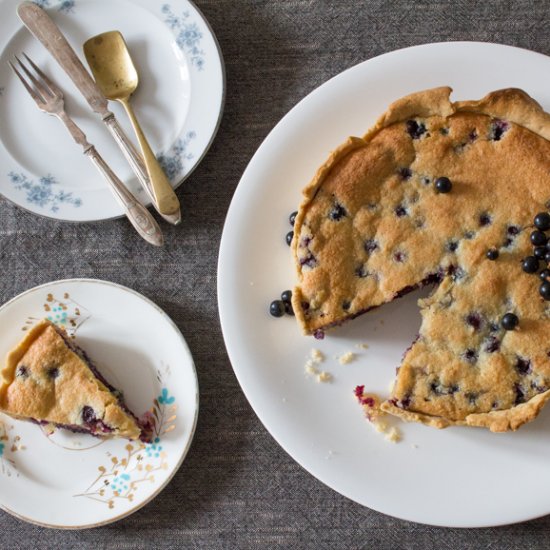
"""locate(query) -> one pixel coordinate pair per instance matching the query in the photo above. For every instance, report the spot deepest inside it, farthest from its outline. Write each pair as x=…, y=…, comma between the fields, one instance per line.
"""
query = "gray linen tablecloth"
x=238, y=488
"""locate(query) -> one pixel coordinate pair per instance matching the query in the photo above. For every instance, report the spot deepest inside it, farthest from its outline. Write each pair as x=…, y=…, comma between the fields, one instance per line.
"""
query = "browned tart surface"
x=376, y=223
x=48, y=380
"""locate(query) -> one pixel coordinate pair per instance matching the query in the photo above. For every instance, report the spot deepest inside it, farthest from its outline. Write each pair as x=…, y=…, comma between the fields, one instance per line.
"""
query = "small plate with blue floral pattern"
x=72, y=481
x=179, y=102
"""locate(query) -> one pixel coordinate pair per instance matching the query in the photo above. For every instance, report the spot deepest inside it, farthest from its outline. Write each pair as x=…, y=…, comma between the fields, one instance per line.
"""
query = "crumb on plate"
x=380, y=426
x=309, y=367
x=346, y=358
x=324, y=377
x=394, y=435
x=317, y=355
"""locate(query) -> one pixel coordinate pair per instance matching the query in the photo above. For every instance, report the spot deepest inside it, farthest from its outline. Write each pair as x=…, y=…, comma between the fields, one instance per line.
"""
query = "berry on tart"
x=492, y=254
x=530, y=264
x=538, y=238
x=542, y=221
x=443, y=185
x=49, y=380
x=475, y=173
x=509, y=321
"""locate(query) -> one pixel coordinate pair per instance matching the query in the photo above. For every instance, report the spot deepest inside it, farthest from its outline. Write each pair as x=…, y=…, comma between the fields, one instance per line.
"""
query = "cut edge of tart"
x=496, y=421
x=47, y=379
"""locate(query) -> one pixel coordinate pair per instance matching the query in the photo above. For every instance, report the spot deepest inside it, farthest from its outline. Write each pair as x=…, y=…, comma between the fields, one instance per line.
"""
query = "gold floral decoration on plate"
x=64, y=312
x=9, y=445
x=121, y=477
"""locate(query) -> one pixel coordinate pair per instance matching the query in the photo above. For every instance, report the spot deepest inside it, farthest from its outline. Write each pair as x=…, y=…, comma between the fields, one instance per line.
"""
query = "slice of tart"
x=444, y=193
x=49, y=380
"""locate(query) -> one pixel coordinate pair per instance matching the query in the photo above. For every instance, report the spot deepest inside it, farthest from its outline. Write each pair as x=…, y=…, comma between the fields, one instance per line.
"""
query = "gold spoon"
x=116, y=76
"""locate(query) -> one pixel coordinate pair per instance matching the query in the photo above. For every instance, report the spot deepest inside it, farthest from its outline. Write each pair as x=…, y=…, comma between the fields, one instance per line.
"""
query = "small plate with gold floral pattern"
x=68, y=480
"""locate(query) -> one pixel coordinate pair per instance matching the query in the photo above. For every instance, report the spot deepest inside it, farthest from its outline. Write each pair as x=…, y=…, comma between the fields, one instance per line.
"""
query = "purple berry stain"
x=88, y=414
x=309, y=261
x=523, y=366
x=370, y=246
x=497, y=129
x=484, y=219
x=337, y=212
x=52, y=372
x=493, y=344
x=415, y=129
x=399, y=256
x=452, y=246
x=520, y=394
x=405, y=173
x=474, y=320
x=400, y=211
x=22, y=371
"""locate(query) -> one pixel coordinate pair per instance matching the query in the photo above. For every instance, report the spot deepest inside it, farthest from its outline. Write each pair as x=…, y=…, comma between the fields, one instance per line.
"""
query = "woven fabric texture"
x=238, y=488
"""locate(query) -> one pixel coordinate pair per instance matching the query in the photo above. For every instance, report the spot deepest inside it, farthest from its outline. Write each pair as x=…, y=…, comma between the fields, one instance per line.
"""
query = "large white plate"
x=454, y=477
x=179, y=103
x=72, y=480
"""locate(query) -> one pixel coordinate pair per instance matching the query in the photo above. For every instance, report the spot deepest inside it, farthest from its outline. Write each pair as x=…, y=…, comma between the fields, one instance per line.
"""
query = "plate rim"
x=200, y=158
x=223, y=299
x=188, y=444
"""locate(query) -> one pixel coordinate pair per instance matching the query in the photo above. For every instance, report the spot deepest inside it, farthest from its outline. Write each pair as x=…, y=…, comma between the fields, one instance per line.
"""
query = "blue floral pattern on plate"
x=9, y=445
x=188, y=35
x=120, y=483
x=164, y=399
x=65, y=6
x=154, y=449
x=172, y=161
x=58, y=316
x=43, y=193
x=190, y=42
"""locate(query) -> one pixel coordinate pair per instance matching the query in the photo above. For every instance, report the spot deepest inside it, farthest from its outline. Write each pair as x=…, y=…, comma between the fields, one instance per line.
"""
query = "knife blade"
x=47, y=32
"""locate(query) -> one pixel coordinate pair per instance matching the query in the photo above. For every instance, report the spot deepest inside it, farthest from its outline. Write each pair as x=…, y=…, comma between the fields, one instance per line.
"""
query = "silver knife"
x=46, y=31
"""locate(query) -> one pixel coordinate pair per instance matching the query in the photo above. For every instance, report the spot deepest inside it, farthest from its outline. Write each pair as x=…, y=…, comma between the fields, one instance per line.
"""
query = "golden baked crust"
x=372, y=227
x=46, y=380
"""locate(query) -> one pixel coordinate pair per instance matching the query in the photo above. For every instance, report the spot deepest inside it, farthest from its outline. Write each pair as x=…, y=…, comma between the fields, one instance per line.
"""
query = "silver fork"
x=49, y=99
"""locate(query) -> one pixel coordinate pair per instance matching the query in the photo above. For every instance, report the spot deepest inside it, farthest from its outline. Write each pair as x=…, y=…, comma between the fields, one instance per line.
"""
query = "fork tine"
x=40, y=86
x=53, y=89
x=37, y=97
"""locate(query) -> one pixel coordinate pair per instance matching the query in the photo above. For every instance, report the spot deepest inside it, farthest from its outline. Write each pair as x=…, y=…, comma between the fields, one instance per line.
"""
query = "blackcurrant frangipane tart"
x=440, y=192
x=49, y=380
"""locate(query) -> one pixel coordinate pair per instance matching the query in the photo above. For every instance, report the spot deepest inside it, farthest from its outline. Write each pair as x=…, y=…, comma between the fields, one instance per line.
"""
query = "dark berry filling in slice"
x=146, y=433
